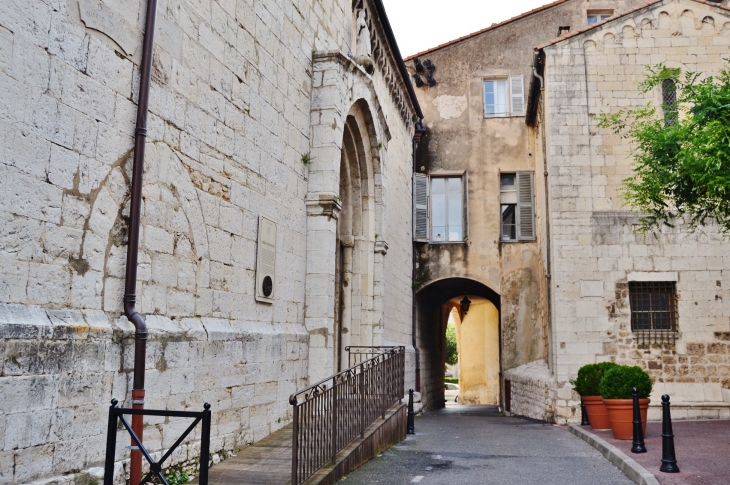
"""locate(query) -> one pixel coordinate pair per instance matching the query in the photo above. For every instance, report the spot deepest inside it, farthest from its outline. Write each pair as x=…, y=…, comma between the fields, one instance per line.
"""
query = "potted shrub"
x=587, y=385
x=616, y=386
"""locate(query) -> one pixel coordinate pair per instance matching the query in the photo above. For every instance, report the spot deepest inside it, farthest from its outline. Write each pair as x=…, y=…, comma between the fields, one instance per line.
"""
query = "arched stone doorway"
x=344, y=215
x=479, y=345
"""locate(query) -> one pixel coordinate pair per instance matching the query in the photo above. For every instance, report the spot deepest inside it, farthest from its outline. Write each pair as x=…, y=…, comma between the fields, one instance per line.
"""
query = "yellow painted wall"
x=478, y=343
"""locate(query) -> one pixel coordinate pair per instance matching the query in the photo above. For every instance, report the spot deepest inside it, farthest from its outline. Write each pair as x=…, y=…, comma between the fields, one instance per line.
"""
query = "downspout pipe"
x=130, y=277
x=414, y=317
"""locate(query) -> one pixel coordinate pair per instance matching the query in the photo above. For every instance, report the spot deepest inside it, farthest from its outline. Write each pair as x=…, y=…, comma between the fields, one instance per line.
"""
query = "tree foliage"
x=681, y=151
x=452, y=354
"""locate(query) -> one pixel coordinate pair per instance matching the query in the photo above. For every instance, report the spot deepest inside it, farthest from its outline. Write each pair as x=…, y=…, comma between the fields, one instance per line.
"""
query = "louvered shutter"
x=518, y=95
x=525, y=207
x=420, y=207
x=466, y=205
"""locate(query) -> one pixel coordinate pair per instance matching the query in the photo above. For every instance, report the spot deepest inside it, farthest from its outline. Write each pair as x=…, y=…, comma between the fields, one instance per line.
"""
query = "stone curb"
x=635, y=472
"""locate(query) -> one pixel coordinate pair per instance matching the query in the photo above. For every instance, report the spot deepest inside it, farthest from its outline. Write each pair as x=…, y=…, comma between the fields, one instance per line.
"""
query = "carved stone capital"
x=381, y=247
x=323, y=204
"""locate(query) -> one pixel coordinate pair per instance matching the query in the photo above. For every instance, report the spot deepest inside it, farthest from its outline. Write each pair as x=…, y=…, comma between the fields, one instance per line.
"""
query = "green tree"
x=452, y=354
x=681, y=151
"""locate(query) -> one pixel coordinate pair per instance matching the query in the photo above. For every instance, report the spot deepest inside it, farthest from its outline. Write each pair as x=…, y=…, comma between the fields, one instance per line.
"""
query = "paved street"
x=475, y=445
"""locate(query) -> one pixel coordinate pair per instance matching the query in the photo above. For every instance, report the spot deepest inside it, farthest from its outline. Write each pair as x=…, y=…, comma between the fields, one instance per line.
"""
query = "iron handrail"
x=355, y=353
x=331, y=413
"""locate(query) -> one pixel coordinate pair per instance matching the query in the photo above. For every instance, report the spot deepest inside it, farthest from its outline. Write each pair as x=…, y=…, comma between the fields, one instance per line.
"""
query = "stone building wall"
x=533, y=391
x=595, y=244
x=229, y=132
x=460, y=138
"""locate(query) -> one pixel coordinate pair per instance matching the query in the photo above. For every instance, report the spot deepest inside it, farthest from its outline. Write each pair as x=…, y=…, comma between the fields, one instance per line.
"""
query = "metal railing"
x=360, y=353
x=330, y=414
x=117, y=414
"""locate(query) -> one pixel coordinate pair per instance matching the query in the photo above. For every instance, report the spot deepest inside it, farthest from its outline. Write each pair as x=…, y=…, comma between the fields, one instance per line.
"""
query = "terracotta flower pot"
x=621, y=416
x=597, y=414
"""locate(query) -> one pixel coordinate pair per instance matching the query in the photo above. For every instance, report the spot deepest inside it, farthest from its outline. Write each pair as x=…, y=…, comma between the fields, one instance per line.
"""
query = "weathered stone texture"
x=594, y=236
x=533, y=391
x=229, y=126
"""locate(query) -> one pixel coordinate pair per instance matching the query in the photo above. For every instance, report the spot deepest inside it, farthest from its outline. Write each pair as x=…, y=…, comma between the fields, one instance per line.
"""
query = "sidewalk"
x=702, y=449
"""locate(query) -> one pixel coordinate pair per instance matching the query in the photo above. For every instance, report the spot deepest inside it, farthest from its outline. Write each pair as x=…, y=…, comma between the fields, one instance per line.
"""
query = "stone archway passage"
x=433, y=303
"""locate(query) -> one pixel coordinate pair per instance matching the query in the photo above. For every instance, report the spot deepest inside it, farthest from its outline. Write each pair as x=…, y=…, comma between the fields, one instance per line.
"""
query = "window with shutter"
x=525, y=207
x=518, y=95
x=420, y=207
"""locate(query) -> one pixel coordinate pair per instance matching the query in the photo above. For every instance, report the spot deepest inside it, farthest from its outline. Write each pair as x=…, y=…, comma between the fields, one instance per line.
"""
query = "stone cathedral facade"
x=295, y=113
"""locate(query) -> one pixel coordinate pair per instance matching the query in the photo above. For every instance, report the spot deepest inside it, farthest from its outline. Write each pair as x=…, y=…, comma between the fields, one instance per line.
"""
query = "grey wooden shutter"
x=525, y=207
x=420, y=207
x=517, y=91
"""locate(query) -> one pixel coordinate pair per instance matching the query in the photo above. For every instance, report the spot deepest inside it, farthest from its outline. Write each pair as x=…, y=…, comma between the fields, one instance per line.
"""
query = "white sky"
x=421, y=24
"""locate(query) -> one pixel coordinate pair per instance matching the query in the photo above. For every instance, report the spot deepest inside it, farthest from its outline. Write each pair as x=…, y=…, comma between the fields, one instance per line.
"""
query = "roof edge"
x=491, y=27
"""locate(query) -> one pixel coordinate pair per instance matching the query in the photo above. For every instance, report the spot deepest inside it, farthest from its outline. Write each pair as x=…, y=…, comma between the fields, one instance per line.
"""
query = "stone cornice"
x=323, y=204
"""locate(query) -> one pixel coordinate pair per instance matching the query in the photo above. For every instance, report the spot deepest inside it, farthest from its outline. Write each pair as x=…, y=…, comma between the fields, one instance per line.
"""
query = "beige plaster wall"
x=477, y=336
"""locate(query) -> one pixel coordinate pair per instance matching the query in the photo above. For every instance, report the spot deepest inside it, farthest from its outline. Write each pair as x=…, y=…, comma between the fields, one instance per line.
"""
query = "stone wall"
x=595, y=243
x=230, y=138
x=533, y=392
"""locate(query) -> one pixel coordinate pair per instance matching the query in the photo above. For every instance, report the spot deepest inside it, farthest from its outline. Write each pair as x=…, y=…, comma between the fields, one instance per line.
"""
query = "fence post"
x=111, y=444
x=362, y=402
x=411, y=423
x=295, y=446
x=334, y=420
x=638, y=445
x=205, y=445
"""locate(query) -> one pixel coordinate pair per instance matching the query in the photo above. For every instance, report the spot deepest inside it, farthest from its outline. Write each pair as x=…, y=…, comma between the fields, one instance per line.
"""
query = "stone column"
x=348, y=243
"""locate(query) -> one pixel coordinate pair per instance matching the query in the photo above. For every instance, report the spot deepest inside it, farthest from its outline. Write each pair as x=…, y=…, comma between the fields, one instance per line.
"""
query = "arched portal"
x=344, y=216
x=478, y=334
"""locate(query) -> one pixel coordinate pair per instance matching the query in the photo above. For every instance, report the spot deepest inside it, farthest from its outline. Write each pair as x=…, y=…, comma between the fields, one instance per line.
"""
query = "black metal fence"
x=330, y=414
x=360, y=353
x=117, y=414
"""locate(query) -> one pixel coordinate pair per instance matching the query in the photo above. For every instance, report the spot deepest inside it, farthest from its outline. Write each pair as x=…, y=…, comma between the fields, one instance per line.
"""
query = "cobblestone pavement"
x=476, y=445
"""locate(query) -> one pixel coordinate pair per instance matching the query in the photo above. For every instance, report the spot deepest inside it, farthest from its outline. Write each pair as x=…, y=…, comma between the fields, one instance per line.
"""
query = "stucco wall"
x=460, y=138
x=228, y=133
x=596, y=247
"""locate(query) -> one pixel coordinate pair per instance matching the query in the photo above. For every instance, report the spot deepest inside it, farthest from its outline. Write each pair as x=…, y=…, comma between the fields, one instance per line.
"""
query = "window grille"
x=669, y=102
x=653, y=311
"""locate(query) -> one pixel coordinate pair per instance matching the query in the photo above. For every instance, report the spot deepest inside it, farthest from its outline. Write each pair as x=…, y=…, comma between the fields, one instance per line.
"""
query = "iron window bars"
x=117, y=414
x=653, y=311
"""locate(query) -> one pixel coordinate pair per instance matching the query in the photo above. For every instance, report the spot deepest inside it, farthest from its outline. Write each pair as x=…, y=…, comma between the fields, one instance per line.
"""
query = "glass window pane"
x=439, y=233
x=507, y=181
x=455, y=233
x=455, y=203
x=438, y=209
x=509, y=227
x=592, y=19
x=438, y=186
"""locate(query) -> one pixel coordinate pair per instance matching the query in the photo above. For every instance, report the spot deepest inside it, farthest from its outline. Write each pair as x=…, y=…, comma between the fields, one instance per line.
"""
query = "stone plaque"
x=96, y=15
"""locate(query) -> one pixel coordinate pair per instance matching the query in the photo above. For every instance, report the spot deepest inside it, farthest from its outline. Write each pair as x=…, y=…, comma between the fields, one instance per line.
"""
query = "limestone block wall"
x=595, y=246
x=532, y=391
x=228, y=130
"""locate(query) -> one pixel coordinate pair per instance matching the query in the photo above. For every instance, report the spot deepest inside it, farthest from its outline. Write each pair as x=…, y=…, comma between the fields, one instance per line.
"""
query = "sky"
x=421, y=24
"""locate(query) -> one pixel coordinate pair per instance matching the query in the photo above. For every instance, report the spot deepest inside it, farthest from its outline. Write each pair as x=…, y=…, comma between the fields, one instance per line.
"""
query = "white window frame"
x=524, y=207
x=422, y=192
x=600, y=16
x=514, y=92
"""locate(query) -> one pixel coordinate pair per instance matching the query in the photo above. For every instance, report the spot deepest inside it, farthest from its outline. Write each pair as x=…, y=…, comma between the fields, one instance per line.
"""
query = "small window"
x=669, y=102
x=517, y=218
x=653, y=310
x=504, y=97
x=440, y=210
x=447, y=209
x=596, y=16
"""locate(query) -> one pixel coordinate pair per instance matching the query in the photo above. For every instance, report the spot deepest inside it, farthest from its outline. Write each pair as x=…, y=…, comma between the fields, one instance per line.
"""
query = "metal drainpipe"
x=130, y=279
x=414, y=322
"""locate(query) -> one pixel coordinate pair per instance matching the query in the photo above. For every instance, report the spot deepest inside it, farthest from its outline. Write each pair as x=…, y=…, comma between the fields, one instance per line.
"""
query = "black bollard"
x=583, y=414
x=638, y=445
x=411, y=425
x=669, y=460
